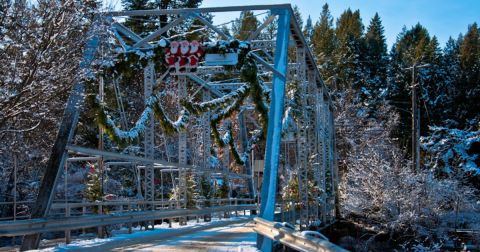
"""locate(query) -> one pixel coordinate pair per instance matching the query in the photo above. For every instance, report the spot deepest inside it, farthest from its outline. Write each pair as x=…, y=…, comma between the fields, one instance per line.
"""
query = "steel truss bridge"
x=303, y=152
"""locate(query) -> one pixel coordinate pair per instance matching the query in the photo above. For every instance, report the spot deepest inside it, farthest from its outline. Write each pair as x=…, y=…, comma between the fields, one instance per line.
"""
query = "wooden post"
x=68, y=237
x=100, y=228
x=84, y=210
x=236, y=204
x=15, y=187
x=129, y=225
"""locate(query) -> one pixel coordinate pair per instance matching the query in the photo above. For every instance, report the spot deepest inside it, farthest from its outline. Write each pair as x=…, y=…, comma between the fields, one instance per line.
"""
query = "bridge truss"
x=298, y=153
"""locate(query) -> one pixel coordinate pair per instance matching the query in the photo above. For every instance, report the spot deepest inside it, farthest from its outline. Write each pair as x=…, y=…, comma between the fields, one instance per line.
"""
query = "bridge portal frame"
x=288, y=33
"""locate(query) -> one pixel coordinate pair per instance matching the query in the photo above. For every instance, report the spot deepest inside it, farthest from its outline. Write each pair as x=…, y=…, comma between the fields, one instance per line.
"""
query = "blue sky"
x=442, y=18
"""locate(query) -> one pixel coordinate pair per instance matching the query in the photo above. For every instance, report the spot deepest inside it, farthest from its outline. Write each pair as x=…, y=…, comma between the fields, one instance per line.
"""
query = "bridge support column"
x=182, y=154
x=149, y=141
x=149, y=80
x=303, y=140
x=274, y=132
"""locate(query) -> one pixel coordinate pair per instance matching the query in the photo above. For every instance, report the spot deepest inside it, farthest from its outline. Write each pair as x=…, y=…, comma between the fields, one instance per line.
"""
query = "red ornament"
x=171, y=53
x=196, y=53
x=92, y=169
x=182, y=58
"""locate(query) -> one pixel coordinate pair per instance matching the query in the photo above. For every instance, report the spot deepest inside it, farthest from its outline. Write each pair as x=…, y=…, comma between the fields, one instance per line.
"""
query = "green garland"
x=233, y=148
x=128, y=63
x=199, y=108
x=168, y=125
x=123, y=137
x=248, y=73
x=225, y=113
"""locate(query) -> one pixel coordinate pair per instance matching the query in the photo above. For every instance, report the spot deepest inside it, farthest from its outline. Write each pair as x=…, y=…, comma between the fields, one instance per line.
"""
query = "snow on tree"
x=94, y=188
x=308, y=30
x=348, y=54
x=375, y=63
x=453, y=152
x=41, y=46
x=379, y=190
x=245, y=25
x=223, y=190
x=324, y=43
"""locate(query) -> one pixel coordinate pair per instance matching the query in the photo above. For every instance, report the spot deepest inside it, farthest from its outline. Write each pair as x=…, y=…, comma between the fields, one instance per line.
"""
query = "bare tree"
x=40, y=49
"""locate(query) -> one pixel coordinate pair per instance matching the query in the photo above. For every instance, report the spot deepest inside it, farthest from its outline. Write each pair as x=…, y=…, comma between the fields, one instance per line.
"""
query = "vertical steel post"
x=149, y=140
x=182, y=153
x=101, y=96
x=315, y=148
x=207, y=142
x=321, y=141
x=303, y=140
x=248, y=164
x=274, y=131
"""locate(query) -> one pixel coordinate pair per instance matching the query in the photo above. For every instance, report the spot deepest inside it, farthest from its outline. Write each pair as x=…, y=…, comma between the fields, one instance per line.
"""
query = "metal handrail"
x=288, y=237
x=42, y=225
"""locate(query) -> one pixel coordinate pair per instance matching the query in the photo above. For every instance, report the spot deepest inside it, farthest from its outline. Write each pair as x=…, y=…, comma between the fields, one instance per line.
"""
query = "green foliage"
x=137, y=26
x=192, y=191
x=376, y=50
x=323, y=42
x=206, y=187
x=130, y=62
x=411, y=44
x=124, y=137
x=224, y=189
x=246, y=25
x=227, y=105
x=470, y=49
x=147, y=24
x=376, y=62
x=308, y=30
x=349, y=52
x=93, y=191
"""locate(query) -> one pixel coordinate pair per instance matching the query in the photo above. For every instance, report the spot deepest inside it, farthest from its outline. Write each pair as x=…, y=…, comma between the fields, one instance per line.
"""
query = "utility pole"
x=415, y=120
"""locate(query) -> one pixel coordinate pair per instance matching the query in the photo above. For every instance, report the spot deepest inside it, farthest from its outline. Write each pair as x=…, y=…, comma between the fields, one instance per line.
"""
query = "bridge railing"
x=81, y=208
x=68, y=223
x=289, y=237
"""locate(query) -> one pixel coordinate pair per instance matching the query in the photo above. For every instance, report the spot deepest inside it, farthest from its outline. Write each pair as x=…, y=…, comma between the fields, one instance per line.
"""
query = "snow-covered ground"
x=233, y=234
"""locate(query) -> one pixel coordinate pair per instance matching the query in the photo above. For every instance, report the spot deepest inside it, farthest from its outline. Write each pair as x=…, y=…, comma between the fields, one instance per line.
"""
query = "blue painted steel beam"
x=274, y=131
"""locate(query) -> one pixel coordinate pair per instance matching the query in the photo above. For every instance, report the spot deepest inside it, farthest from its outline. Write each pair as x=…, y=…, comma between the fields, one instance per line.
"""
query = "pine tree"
x=223, y=190
x=469, y=55
x=348, y=55
x=136, y=25
x=245, y=25
x=375, y=60
x=410, y=48
x=269, y=32
x=448, y=92
x=93, y=191
x=308, y=30
x=147, y=24
x=193, y=191
x=411, y=45
x=432, y=79
x=470, y=49
x=323, y=41
x=206, y=189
